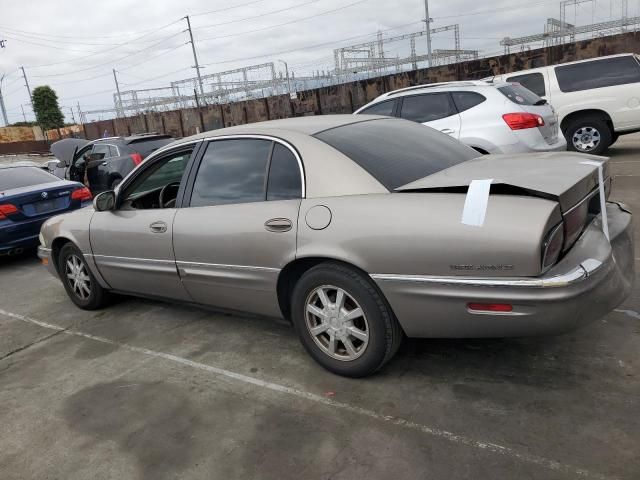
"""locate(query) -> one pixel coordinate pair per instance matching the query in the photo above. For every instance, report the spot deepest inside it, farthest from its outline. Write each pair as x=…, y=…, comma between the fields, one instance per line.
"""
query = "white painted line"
x=398, y=421
x=628, y=313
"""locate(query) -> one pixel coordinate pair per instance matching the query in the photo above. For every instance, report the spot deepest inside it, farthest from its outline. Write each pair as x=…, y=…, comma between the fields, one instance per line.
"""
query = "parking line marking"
x=398, y=421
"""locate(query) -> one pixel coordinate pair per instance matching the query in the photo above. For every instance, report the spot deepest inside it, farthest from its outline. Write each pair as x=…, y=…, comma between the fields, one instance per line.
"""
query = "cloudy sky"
x=72, y=45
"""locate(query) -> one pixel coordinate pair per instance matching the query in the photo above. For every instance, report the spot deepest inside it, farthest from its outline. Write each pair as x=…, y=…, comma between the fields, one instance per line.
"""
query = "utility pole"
x=119, y=111
x=286, y=67
x=4, y=110
x=428, y=22
x=26, y=84
x=23, y=115
x=80, y=114
x=73, y=117
x=195, y=57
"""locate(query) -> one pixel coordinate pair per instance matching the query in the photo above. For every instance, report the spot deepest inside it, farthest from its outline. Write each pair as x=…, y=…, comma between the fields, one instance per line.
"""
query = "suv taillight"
x=7, y=209
x=82, y=194
x=137, y=158
x=552, y=246
x=522, y=121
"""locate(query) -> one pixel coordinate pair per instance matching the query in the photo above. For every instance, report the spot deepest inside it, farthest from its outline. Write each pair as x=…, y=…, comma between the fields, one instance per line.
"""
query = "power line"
x=272, y=12
x=44, y=37
x=109, y=49
x=495, y=10
x=227, y=8
x=285, y=23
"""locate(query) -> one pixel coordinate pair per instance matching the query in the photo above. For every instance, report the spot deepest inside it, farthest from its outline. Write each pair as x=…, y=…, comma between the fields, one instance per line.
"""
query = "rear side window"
x=520, y=95
x=284, y=175
x=427, y=108
x=607, y=72
x=232, y=171
x=382, y=108
x=531, y=81
x=146, y=147
x=113, y=151
x=397, y=152
x=466, y=100
x=19, y=177
x=100, y=151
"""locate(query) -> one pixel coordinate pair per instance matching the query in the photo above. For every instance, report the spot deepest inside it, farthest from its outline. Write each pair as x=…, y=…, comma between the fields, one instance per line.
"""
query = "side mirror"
x=104, y=201
x=51, y=165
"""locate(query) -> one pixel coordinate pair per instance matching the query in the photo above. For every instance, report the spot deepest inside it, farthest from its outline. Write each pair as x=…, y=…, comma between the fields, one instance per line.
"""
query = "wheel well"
x=293, y=271
x=56, y=246
x=566, y=121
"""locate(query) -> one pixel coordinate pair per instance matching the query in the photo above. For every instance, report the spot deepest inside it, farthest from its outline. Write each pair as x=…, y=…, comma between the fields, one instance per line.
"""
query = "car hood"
x=562, y=176
x=65, y=148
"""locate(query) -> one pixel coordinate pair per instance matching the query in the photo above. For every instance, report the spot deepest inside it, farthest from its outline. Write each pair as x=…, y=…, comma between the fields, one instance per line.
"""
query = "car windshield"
x=520, y=95
x=397, y=152
x=19, y=177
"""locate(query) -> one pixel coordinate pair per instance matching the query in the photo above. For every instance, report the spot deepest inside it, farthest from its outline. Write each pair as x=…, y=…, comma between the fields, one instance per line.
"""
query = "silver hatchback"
x=489, y=117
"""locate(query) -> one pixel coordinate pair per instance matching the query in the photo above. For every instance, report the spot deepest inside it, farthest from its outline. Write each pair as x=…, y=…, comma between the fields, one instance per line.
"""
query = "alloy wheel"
x=78, y=277
x=586, y=139
x=336, y=323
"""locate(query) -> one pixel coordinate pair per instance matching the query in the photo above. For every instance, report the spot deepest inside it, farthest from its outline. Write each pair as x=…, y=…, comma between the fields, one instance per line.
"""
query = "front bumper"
x=590, y=281
x=44, y=254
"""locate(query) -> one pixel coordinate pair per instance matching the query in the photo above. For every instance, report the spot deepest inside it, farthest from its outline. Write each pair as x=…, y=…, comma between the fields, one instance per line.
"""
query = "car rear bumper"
x=20, y=235
x=590, y=281
x=531, y=140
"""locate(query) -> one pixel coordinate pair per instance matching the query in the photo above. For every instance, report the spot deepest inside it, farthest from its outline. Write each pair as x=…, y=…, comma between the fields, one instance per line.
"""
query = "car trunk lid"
x=563, y=177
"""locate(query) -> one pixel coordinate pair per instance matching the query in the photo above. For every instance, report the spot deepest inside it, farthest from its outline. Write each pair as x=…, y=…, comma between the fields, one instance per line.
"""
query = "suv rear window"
x=146, y=147
x=397, y=152
x=18, y=177
x=519, y=94
x=532, y=81
x=607, y=72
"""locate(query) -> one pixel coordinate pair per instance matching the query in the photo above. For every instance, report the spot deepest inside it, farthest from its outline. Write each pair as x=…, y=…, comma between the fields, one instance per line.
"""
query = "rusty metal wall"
x=29, y=146
x=348, y=97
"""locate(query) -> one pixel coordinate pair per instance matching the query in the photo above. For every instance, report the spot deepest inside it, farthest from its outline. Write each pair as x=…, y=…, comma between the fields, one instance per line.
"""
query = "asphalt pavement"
x=151, y=390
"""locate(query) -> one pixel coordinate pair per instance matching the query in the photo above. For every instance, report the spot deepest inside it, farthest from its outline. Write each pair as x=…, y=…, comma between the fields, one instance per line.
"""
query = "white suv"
x=490, y=117
x=597, y=100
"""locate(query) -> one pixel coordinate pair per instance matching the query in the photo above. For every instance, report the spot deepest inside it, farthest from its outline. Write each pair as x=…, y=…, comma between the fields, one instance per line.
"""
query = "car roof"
x=298, y=125
x=444, y=86
x=138, y=137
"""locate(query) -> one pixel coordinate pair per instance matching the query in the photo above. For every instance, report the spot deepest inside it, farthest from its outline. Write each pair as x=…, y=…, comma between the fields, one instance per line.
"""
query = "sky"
x=73, y=45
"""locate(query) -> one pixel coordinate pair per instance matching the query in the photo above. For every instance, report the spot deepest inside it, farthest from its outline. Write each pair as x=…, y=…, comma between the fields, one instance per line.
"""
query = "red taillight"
x=490, y=307
x=81, y=194
x=552, y=247
x=7, y=209
x=521, y=121
x=137, y=158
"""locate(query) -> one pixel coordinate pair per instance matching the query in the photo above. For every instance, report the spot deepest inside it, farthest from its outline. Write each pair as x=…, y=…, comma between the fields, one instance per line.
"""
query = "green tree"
x=46, y=108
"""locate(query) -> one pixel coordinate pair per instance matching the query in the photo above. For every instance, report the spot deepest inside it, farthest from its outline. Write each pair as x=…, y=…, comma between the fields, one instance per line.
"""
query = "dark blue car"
x=28, y=197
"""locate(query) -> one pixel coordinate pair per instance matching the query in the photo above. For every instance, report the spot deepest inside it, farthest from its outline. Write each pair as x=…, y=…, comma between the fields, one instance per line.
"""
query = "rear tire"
x=78, y=281
x=353, y=331
x=588, y=134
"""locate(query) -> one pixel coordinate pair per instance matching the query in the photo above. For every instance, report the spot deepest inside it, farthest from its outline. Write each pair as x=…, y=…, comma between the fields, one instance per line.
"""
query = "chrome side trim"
x=132, y=259
x=574, y=276
x=227, y=267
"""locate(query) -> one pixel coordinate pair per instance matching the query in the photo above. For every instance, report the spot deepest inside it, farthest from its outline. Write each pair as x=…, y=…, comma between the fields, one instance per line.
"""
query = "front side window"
x=284, y=175
x=531, y=81
x=427, y=108
x=382, y=108
x=145, y=190
x=231, y=171
x=607, y=72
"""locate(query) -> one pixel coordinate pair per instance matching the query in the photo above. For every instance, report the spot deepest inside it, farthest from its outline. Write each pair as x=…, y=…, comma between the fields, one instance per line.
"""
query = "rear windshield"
x=19, y=177
x=397, y=152
x=146, y=147
x=520, y=95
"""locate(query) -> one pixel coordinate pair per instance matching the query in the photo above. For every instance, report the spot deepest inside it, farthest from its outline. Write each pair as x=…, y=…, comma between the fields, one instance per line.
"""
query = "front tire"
x=78, y=281
x=589, y=134
x=343, y=321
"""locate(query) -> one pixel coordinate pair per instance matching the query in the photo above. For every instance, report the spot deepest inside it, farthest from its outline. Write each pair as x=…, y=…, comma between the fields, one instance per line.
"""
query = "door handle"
x=448, y=131
x=278, y=225
x=158, y=227
x=104, y=164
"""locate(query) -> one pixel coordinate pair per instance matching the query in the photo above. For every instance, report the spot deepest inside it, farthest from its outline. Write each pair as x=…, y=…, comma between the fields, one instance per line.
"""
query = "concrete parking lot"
x=154, y=391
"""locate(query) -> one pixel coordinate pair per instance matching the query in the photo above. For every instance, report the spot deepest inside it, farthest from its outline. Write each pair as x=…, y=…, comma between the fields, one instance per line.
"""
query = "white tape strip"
x=603, y=200
x=475, y=203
